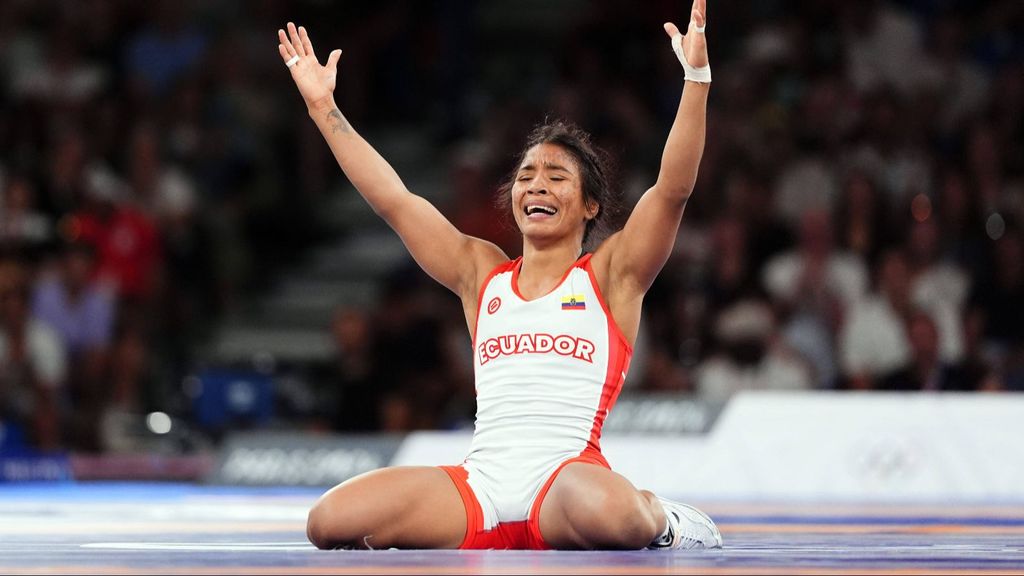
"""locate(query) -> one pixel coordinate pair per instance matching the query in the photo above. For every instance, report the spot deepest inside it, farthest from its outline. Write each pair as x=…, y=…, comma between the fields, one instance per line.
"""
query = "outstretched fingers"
x=285, y=45
x=307, y=46
x=697, y=13
x=332, y=60
x=293, y=36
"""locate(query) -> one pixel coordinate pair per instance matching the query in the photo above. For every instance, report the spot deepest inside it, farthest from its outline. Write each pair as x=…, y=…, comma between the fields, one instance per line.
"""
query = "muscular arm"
x=450, y=257
x=430, y=237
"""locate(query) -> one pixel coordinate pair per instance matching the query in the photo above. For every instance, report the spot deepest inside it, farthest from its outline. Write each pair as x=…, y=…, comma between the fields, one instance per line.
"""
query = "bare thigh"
x=400, y=507
x=590, y=506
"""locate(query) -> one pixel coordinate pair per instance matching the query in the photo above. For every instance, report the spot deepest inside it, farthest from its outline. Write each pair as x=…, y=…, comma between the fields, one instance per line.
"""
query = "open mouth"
x=540, y=210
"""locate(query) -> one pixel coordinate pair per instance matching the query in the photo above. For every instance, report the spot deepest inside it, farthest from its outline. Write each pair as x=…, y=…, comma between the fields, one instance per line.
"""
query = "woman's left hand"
x=695, y=47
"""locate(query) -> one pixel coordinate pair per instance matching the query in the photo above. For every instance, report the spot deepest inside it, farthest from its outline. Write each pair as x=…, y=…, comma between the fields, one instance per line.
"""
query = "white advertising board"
x=824, y=446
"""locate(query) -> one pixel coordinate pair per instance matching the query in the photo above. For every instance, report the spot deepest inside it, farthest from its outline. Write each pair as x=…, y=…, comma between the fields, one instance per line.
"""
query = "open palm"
x=695, y=47
x=315, y=82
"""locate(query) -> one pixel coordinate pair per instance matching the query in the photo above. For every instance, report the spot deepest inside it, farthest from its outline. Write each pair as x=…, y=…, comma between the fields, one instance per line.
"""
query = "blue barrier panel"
x=233, y=398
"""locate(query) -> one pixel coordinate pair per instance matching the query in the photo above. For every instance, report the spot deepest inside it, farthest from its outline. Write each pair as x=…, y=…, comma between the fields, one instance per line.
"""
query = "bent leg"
x=591, y=507
x=400, y=507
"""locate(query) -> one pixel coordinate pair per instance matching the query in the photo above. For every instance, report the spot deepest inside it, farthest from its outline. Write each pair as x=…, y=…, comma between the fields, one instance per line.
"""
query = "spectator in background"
x=959, y=219
x=813, y=287
x=132, y=385
x=979, y=365
x=190, y=297
x=862, y=227
x=748, y=198
x=22, y=228
x=985, y=167
x=476, y=212
x=926, y=370
x=884, y=47
x=964, y=83
x=749, y=356
x=731, y=277
x=32, y=363
x=999, y=297
x=145, y=167
x=63, y=186
x=61, y=77
x=662, y=374
x=348, y=387
x=805, y=185
x=163, y=51
x=125, y=238
x=873, y=341
x=815, y=274
x=82, y=311
x=938, y=286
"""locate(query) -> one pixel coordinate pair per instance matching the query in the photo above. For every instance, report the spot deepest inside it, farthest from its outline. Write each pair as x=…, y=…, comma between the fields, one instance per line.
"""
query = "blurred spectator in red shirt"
x=127, y=240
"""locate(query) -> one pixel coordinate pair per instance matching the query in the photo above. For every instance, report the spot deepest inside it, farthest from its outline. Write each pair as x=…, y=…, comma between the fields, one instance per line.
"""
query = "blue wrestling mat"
x=134, y=528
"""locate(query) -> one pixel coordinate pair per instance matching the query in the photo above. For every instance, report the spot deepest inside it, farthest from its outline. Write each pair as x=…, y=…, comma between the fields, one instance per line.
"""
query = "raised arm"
x=637, y=253
x=452, y=258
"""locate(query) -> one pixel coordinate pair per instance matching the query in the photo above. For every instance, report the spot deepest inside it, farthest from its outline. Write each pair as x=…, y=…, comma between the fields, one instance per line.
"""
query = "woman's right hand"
x=315, y=82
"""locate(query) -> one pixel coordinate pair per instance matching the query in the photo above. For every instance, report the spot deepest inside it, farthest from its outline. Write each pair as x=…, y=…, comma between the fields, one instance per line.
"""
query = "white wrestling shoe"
x=688, y=528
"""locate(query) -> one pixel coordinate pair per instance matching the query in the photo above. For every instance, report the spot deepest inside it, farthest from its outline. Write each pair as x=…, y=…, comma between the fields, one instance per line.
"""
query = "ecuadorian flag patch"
x=573, y=302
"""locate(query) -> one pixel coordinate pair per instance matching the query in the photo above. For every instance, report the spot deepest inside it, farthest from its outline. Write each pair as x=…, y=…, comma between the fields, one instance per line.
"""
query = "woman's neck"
x=542, y=268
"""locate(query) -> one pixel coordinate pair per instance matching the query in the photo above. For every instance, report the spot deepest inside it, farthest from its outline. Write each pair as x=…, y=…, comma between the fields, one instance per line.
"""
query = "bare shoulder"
x=485, y=257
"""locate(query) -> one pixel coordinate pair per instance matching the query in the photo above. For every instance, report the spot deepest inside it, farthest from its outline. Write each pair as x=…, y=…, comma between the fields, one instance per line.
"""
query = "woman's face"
x=547, y=195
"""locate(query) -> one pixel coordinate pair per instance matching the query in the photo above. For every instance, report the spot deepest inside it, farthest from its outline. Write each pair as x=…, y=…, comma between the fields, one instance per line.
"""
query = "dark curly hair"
x=595, y=166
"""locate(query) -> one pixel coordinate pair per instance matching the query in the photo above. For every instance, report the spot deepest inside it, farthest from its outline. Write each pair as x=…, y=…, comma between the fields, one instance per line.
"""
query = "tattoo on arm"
x=338, y=122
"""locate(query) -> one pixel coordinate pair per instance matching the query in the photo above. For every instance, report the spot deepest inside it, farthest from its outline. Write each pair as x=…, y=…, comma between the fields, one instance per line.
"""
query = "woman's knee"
x=321, y=526
x=335, y=520
x=404, y=507
x=631, y=520
x=616, y=518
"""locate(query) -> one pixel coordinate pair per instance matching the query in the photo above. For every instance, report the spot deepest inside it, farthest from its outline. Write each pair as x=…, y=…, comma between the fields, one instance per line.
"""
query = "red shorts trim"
x=522, y=535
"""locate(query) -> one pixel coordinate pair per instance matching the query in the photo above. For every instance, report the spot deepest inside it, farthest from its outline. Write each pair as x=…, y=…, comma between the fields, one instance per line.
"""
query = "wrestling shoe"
x=688, y=528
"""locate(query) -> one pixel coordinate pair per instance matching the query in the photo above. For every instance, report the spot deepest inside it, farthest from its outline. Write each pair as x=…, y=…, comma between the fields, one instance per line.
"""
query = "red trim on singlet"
x=612, y=324
x=474, y=513
x=520, y=535
x=619, y=354
x=533, y=523
x=503, y=267
x=517, y=265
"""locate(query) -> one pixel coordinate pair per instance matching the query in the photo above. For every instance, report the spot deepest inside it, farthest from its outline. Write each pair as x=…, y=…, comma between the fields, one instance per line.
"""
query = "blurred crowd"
x=857, y=223
x=139, y=201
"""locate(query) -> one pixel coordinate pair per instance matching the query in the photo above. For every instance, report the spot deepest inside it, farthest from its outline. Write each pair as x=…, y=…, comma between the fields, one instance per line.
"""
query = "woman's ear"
x=593, y=208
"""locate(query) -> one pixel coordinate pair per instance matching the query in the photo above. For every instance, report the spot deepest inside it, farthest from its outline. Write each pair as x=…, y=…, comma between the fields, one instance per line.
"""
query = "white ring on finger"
x=699, y=29
x=291, y=61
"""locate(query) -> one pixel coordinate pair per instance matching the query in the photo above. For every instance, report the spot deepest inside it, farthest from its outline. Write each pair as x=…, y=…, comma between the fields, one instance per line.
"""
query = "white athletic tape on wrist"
x=702, y=74
x=291, y=61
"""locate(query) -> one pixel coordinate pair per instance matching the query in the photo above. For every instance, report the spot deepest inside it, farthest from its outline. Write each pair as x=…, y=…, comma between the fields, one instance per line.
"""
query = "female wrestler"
x=552, y=332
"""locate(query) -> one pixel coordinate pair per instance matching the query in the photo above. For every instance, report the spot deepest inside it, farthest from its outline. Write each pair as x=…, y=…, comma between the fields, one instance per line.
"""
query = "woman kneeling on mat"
x=552, y=337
